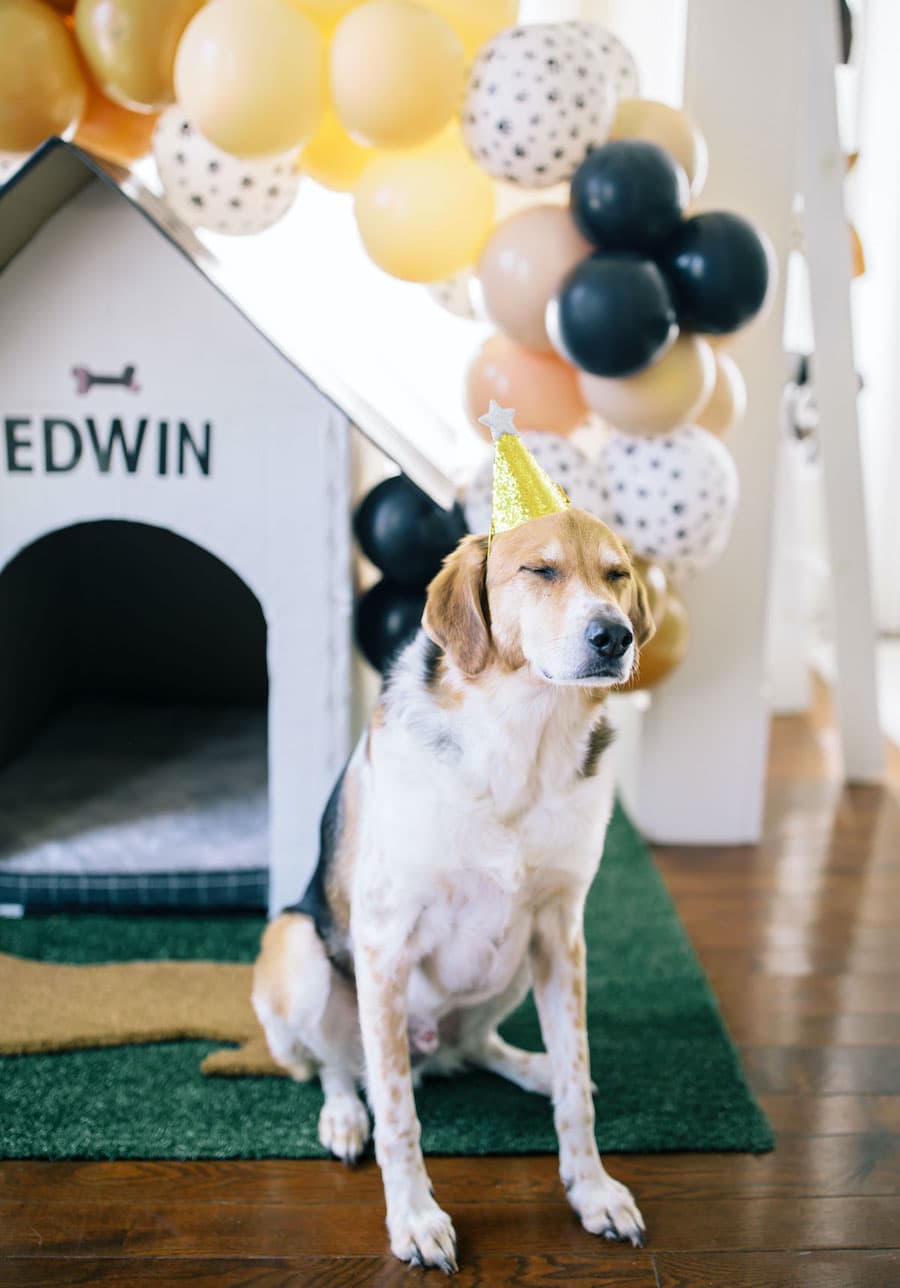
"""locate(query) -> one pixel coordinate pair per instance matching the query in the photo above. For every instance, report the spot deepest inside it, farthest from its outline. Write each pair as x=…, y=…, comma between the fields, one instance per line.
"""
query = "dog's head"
x=558, y=594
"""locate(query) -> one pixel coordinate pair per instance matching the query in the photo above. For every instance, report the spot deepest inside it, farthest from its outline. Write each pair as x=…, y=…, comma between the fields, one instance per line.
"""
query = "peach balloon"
x=645, y=118
x=475, y=21
x=249, y=76
x=332, y=158
x=725, y=407
x=542, y=388
x=668, y=647
x=112, y=132
x=42, y=86
x=666, y=394
x=521, y=268
x=423, y=214
x=397, y=73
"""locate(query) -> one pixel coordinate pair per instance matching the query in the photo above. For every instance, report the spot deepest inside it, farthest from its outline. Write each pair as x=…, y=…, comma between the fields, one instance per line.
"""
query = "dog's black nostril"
x=610, y=639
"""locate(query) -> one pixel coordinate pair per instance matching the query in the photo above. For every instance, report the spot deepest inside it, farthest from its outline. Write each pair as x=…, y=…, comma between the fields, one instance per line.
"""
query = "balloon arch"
x=614, y=309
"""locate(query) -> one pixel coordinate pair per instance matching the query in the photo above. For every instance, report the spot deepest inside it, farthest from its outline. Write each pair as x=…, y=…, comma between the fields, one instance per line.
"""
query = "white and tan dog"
x=457, y=850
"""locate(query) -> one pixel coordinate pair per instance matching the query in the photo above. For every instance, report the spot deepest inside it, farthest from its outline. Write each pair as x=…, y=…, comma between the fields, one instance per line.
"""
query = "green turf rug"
x=668, y=1075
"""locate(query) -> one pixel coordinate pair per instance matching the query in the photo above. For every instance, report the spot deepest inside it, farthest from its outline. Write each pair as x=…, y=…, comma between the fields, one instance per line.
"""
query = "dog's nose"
x=610, y=639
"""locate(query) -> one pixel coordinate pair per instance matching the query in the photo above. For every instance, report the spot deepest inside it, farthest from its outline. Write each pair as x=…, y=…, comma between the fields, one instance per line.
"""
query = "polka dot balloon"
x=455, y=294
x=673, y=497
x=10, y=162
x=208, y=188
x=565, y=464
x=616, y=59
x=538, y=99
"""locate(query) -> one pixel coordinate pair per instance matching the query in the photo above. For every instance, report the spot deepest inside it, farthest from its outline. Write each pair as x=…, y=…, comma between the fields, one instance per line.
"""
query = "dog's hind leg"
x=529, y=1070
x=309, y=1014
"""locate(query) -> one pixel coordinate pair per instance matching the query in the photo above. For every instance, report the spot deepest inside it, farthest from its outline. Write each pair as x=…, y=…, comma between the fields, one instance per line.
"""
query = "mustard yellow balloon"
x=475, y=21
x=667, y=127
x=42, y=87
x=397, y=73
x=332, y=157
x=424, y=214
x=249, y=76
x=662, y=396
x=129, y=46
x=725, y=407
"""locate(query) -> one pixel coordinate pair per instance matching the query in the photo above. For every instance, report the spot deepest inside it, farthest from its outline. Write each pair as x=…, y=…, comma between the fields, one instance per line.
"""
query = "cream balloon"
x=521, y=267
x=724, y=409
x=396, y=73
x=42, y=86
x=248, y=74
x=475, y=21
x=664, y=395
x=667, y=127
x=423, y=214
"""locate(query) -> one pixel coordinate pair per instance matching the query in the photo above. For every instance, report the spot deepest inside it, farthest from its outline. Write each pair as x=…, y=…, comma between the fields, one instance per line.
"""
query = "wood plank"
x=779, y=1269
x=830, y=1115
x=755, y=1028
x=840, y=1070
x=632, y=1270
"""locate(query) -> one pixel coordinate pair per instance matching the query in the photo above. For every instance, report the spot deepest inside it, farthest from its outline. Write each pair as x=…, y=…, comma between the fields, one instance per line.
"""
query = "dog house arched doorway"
x=133, y=723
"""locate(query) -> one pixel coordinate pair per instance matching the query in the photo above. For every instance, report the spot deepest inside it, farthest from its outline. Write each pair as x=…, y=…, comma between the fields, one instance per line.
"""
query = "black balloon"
x=405, y=533
x=387, y=618
x=614, y=314
x=718, y=268
x=628, y=195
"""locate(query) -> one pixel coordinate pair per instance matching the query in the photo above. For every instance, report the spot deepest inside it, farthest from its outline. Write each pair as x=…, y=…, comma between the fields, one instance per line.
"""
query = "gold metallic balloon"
x=521, y=267
x=645, y=118
x=725, y=407
x=475, y=21
x=42, y=86
x=541, y=386
x=424, y=214
x=656, y=585
x=397, y=73
x=332, y=158
x=249, y=76
x=112, y=132
x=664, y=395
x=668, y=647
x=129, y=46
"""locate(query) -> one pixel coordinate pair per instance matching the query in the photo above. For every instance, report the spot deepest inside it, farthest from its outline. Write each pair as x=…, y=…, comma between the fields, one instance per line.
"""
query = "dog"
x=457, y=849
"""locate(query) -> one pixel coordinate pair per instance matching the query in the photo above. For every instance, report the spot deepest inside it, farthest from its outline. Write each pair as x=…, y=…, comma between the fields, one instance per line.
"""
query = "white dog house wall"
x=175, y=588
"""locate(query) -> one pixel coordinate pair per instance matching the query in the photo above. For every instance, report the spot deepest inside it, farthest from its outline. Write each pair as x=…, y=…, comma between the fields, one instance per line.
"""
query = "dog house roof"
x=59, y=170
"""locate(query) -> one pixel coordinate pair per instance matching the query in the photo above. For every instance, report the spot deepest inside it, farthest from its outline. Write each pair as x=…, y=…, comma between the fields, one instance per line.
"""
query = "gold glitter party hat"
x=522, y=490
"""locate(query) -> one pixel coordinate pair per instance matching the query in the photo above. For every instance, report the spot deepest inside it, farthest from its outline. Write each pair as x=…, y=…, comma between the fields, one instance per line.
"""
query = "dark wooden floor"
x=801, y=938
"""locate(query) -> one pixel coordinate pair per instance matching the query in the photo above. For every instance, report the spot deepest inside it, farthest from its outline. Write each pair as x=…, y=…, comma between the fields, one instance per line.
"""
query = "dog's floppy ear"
x=456, y=616
x=642, y=622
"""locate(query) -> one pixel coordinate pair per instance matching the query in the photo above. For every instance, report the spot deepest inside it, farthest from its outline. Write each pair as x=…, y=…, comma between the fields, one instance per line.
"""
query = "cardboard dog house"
x=175, y=581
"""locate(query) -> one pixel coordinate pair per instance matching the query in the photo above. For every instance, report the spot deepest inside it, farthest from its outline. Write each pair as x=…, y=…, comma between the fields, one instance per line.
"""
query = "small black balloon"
x=387, y=618
x=628, y=195
x=614, y=314
x=718, y=268
x=404, y=533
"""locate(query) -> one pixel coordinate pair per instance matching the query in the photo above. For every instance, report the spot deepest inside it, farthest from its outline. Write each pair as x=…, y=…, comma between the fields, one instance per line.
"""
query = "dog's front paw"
x=607, y=1208
x=344, y=1127
x=425, y=1236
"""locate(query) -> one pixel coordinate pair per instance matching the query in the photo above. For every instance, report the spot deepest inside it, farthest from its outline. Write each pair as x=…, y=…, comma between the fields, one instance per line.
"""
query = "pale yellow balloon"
x=475, y=21
x=332, y=157
x=645, y=118
x=248, y=74
x=725, y=407
x=662, y=396
x=521, y=267
x=424, y=214
x=42, y=87
x=326, y=14
x=397, y=73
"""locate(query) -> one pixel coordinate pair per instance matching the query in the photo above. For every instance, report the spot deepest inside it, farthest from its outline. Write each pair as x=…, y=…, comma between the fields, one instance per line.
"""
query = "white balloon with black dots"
x=211, y=189
x=538, y=99
x=575, y=473
x=672, y=496
x=456, y=294
x=616, y=59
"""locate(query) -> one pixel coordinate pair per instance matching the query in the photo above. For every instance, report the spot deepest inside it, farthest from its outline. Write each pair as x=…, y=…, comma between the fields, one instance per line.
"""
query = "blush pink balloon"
x=540, y=386
x=521, y=268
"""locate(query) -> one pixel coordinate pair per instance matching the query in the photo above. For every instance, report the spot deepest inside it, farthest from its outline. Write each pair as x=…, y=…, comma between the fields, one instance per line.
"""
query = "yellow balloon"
x=397, y=73
x=725, y=407
x=662, y=396
x=326, y=14
x=248, y=74
x=42, y=88
x=332, y=158
x=645, y=118
x=129, y=46
x=424, y=214
x=475, y=21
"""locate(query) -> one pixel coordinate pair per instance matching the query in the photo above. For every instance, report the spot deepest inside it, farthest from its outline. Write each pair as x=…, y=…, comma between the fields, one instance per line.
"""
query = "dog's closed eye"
x=542, y=570
x=618, y=574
